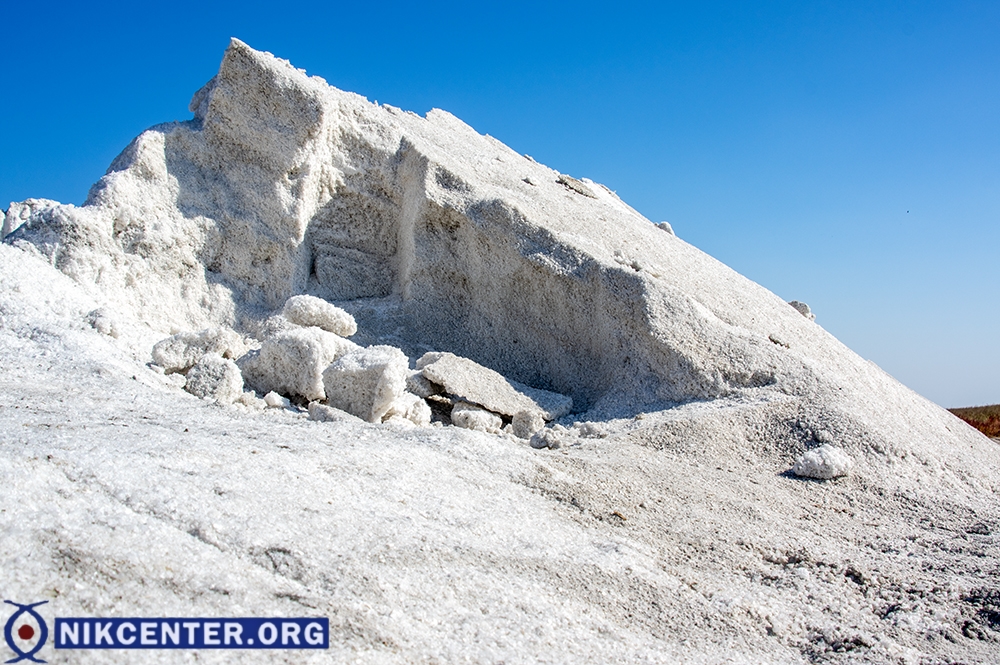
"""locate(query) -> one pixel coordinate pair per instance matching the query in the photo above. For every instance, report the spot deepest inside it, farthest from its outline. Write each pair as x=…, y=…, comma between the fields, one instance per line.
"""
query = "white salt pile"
x=470, y=408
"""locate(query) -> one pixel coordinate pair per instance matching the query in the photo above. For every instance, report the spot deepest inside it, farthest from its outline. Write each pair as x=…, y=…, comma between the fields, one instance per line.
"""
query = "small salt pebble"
x=276, y=401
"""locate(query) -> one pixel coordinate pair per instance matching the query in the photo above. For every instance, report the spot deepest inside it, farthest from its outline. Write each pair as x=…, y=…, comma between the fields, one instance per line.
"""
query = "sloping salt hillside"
x=662, y=523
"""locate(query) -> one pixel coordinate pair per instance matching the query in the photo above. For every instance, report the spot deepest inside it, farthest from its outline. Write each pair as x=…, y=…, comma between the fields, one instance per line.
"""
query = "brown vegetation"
x=986, y=419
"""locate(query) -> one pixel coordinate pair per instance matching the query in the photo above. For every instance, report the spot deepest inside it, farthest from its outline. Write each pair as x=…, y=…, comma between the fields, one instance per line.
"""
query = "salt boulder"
x=429, y=357
x=215, y=377
x=411, y=407
x=471, y=416
x=273, y=400
x=180, y=352
x=367, y=382
x=823, y=463
x=272, y=326
x=420, y=386
x=525, y=423
x=305, y=310
x=476, y=384
x=803, y=309
x=18, y=213
x=292, y=362
x=105, y=322
x=251, y=401
x=551, y=437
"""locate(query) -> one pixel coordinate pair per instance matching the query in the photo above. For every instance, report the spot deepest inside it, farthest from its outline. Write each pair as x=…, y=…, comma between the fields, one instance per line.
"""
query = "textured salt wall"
x=282, y=185
x=377, y=203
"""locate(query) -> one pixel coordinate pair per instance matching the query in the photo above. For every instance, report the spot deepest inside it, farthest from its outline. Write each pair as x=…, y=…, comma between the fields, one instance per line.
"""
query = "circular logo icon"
x=25, y=633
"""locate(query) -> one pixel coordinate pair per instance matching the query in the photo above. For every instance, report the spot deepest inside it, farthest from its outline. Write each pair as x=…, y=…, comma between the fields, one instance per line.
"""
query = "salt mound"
x=434, y=236
x=282, y=185
x=662, y=525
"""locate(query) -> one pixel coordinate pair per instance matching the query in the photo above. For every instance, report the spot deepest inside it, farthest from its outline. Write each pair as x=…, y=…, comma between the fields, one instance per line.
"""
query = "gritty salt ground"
x=204, y=512
x=446, y=544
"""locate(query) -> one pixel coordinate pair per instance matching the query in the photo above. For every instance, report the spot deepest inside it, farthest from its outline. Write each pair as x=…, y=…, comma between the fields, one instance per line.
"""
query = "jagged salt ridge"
x=438, y=238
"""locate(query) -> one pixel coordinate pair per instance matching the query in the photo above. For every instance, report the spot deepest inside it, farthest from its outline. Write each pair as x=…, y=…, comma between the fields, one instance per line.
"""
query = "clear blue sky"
x=846, y=154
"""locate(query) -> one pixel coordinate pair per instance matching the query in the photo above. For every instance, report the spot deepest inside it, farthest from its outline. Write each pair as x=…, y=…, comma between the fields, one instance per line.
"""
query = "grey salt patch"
x=551, y=437
x=419, y=385
x=105, y=323
x=575, y=185
x=18, y=213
